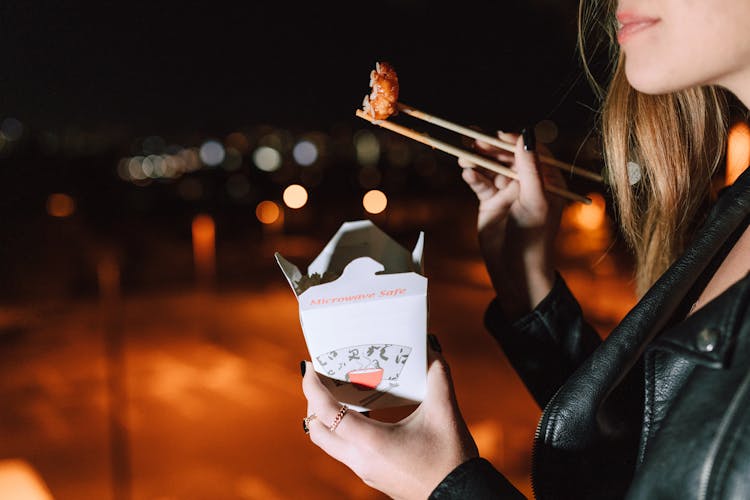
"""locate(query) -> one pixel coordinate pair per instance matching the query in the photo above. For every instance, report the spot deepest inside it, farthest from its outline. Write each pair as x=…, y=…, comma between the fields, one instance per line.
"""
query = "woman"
x=661, y=409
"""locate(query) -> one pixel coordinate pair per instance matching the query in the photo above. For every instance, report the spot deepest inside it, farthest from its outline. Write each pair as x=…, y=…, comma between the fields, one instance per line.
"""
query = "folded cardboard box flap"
x=352, y=241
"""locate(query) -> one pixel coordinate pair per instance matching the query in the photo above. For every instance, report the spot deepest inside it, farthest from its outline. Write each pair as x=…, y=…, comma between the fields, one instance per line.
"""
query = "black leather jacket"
x=660, y=409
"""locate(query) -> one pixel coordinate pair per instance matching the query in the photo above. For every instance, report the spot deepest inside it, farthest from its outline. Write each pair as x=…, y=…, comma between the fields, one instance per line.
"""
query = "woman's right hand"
x=517, y=224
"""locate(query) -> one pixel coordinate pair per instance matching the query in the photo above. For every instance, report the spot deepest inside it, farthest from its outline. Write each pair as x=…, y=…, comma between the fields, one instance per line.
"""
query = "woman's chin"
x=650, y=82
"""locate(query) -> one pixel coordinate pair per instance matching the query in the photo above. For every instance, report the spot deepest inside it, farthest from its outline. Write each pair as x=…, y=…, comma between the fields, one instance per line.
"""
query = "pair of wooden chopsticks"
x=473, y=157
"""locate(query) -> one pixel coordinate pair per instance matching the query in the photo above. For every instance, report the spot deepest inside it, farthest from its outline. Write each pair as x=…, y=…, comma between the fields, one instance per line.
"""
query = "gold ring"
x=339, y=417
x=306, y=422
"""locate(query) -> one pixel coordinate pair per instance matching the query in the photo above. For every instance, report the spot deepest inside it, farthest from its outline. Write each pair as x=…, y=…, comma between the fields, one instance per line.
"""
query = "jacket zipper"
x=537, y=445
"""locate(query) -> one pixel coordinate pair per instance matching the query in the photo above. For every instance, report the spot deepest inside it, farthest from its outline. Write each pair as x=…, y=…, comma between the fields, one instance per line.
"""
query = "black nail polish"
x=302, y=367
x=434, y=344
x=529, y=139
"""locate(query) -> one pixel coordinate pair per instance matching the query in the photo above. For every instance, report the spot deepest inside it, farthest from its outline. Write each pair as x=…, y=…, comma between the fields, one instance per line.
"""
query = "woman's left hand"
x=406, y=459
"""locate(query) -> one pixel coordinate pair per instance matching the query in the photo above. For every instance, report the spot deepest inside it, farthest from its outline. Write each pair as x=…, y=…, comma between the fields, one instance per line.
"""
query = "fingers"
x=352, y=428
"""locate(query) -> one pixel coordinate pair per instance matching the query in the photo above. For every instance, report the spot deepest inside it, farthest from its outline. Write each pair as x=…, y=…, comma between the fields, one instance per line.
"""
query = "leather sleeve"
x=547, y=345
x=476, y=479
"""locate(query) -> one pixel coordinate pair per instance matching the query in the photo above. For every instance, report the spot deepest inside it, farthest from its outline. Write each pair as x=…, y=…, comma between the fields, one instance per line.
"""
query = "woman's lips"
x=630, y=24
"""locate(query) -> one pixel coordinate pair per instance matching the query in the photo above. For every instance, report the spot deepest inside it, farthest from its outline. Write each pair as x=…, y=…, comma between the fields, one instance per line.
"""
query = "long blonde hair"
x=676, y=139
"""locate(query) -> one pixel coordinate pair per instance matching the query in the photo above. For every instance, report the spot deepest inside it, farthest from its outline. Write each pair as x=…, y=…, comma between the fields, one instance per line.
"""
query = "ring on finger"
x=338, y=418
x=306, y=422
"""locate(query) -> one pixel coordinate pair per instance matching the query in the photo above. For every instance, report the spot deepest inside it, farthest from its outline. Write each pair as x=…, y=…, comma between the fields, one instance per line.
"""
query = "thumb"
x=440, y=404
x=439, y=392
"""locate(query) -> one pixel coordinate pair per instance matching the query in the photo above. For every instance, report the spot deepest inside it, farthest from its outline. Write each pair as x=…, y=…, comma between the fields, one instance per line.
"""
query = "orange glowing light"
x=60, y=205
x=295, y=196
x=738, y=151
x=18, y=479
x=589, y=217
x=375, y=201
x=238, y=141
x=204, y=248
x=267, y=212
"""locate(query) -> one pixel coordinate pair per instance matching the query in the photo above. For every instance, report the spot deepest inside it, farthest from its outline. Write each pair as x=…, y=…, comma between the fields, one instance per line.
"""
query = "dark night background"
x=91, y=81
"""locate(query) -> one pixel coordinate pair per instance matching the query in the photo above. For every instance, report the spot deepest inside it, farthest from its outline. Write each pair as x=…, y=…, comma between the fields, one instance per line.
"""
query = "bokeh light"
x=204, y=248
x=738, y=151
x=267, y=212
x=212, y=153
x=237, y=141
x=19, y=480
x=232, y=160
x=12, y=129
x=546, y=131
x=375, y=201
x=295, y=196
x=589, y=217
x=267, y=159
x=368, y=148
x=60, y=205
x=305, y=153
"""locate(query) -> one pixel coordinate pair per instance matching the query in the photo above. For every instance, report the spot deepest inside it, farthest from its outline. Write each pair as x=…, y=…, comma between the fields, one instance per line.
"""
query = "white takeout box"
x=366, y=327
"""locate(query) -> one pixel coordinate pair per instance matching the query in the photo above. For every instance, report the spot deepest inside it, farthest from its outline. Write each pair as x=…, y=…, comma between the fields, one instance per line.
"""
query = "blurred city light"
x=374, y=201
x=191, y=159
x=368, y=148
x=267, y=212
x=134, y=168
x=546, y=131
x=295, y=196
x=589, y=217
x=238, y=141
x=267, y=159
x=738, y=151
x=19, y=480
x=11, y=129
x=212, y=153
x=204, y=248
x=122, y=169
x=147, y=167
x=305, y=153
x=232, y=160
x=60, y=205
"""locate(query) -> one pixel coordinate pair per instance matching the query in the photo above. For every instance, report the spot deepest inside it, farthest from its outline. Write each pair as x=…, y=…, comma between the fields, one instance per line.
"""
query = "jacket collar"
x=708, y=337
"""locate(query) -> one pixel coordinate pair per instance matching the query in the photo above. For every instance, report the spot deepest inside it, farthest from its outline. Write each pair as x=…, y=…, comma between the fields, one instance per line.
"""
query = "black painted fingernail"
x=529, y=139
x=434, y=344
x=305, y=427
x=302, y=367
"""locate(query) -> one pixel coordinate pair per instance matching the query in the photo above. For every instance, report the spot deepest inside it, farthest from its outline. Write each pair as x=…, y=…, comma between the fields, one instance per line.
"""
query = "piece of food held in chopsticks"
x=381, y=103
x=384, y=95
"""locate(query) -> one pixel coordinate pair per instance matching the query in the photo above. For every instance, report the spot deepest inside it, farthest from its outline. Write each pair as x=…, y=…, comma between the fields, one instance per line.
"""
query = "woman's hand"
x=517, y=224
x=407, y=459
